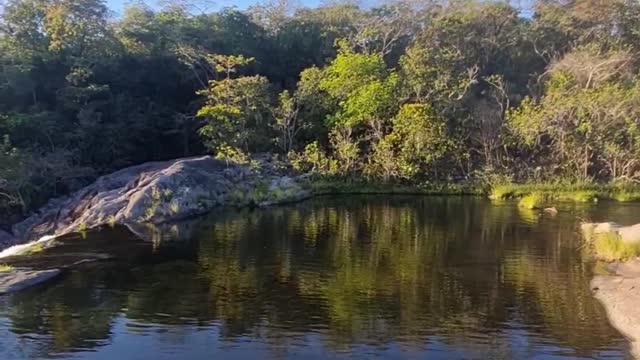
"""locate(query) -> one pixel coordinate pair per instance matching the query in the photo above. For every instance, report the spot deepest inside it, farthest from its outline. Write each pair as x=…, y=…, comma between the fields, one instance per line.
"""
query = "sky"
x=118, y=5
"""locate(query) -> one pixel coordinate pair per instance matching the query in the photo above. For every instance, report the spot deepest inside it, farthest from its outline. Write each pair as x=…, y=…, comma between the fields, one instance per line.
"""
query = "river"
x=394, y=277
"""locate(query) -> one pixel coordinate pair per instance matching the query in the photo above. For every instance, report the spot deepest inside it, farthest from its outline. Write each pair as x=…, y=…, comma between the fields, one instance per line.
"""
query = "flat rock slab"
x=17, y=279
x=54, y=260
x=620, y=295
x=627, y=269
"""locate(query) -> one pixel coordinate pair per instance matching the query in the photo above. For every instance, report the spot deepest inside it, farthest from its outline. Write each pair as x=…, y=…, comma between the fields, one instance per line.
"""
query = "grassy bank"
x=530, y=195
x=605, y=243
x=610, y=247
x=331, y=186
x=537, y=194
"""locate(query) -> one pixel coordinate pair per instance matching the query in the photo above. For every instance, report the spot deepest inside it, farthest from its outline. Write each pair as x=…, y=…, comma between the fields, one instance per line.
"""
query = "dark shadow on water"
x=395, y=276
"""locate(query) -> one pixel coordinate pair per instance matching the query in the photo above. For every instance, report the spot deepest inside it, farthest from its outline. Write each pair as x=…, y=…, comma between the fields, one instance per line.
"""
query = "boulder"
x=619, y=293
x=630, y=234
x=18, y=279
x=160, y=192
x=6, y=239
x=627, y=234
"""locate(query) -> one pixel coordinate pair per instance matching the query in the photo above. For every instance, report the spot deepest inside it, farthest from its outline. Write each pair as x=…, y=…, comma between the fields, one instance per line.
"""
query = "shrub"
x=532, y=201
x=608, y=246
x=5, y=268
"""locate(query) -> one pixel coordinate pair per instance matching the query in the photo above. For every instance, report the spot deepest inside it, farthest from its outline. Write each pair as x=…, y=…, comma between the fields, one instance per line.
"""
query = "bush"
x=610, y=247
x=5, y=268
x=532, y=201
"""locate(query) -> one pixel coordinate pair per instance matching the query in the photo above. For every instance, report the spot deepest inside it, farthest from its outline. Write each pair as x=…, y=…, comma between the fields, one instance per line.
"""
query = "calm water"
x=348, y=277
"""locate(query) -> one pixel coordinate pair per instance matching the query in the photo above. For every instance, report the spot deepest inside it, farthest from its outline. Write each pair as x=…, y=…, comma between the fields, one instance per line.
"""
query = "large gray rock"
x=620, y=296
x=159, y=192
x=6, y=239
x=627, y=234
x=17, y=279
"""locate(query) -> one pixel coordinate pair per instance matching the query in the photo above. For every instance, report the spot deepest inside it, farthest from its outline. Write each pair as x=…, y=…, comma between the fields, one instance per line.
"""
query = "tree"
x=286, y=121
x=236, y=107
x=586, y=121
x=418, y=140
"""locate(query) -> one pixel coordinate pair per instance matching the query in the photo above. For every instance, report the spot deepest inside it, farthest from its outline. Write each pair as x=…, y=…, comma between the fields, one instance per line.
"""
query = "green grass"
x=174, y=207
x=625, y=195
x=583, y=196
x=337, y=186
x=502, y=192
x=532, y=201
x=36, y=248
x=5, y=268
x=609, y=247
x=535, y=194
x=567, y=192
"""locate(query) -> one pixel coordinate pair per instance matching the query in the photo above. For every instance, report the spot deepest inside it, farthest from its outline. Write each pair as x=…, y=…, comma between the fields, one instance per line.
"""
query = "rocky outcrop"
x=619, y=291
x=6, y=239
x=620, y=295
x=626, y=234
x=18, y=279
x=160, y=192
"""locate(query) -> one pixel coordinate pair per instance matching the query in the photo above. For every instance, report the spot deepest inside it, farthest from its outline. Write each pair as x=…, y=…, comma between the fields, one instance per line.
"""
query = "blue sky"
x=118, y=5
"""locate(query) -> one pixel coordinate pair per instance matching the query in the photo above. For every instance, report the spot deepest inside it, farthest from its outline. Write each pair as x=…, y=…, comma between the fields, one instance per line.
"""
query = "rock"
x=620, y=296
x=599, y=228
x=551, y=211
x=628, y=234
x=17, y=279
x=159, y=192
x=6, y=239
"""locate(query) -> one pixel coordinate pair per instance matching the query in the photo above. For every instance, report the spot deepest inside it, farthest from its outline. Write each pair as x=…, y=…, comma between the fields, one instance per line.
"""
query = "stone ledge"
x=18, y=279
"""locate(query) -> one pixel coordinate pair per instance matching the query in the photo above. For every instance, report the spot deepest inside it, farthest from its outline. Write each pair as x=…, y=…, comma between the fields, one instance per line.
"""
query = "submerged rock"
x=620, y=296
x=18, y=279
x=159, y=192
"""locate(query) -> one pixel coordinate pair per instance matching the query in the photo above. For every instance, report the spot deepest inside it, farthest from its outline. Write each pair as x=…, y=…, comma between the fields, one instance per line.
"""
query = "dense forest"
x=404, y=92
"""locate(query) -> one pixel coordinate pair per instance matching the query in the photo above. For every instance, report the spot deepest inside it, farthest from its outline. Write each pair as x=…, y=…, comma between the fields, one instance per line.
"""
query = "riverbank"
x=618, y=290
x=324, y=186
x=619, y=293
x=501, y=191
x=567, y=192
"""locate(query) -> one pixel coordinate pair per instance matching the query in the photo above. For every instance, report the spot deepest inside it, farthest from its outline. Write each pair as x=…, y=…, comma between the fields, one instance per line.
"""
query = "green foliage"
x=35, y=249
x=329, y=185
x=586, y=117
x=350, y=71
x=174, y=207
x=462, y=91
x=608, y=246
x=313, y=159
x=565, y=192
x=418, y=140
x=231, y=154
x=235, y=107
x=238, y=197
x=6, y=268
x=532, y=201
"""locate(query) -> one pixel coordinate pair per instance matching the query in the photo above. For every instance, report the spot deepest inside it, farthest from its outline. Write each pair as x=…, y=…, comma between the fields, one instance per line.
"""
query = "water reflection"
x=390, y=276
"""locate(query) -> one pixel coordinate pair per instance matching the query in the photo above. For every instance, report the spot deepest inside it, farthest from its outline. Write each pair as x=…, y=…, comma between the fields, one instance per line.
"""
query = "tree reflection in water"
x=463, y=273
